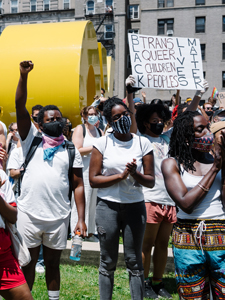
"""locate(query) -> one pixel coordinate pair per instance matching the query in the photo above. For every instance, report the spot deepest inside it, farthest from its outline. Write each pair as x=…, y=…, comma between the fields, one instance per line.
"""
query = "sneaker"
x=149, y=292
x=40, y=268
x=161, y=291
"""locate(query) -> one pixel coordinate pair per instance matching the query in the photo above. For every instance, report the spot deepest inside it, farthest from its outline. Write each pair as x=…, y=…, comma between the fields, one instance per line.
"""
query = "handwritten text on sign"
x=166, y=62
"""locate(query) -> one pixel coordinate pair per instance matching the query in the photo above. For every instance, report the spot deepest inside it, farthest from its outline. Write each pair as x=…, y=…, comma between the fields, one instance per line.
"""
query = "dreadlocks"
x=182, y=139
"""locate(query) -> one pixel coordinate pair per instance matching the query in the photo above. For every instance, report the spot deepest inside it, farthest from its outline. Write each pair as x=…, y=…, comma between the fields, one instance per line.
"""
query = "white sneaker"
x=39, y=268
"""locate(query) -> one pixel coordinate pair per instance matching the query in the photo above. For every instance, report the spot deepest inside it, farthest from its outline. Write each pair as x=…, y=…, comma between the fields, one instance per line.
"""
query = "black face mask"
x=35, y=119
x=156, y=128
x=209, y=113
x=53, y=128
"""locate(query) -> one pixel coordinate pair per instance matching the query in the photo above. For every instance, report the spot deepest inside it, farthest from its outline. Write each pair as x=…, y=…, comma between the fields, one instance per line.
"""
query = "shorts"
x=52, y=234
x=11, y=275
x=199, y=257
x=156, y=213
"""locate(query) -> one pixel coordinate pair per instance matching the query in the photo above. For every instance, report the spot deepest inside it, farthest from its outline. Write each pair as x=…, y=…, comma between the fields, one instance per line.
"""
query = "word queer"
x=166, y=62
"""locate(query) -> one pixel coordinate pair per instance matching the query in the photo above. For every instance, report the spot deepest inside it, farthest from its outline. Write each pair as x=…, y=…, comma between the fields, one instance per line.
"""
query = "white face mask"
x=92, y=119
x=17, y=134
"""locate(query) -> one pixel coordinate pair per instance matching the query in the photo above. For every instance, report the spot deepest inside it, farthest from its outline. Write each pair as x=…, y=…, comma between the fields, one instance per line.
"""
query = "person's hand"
x=130, y=82
x=143, y=94
x=132, y=167
x=10, y=135
x=124, y=175
x=199, y=93
x=26, y=66
x=3, y=154
x=97, y=124
x=82, y=228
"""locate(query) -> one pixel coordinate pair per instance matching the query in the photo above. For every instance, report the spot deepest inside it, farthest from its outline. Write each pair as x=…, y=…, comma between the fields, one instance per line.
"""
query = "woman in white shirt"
x=115, y=166
x=194, y=180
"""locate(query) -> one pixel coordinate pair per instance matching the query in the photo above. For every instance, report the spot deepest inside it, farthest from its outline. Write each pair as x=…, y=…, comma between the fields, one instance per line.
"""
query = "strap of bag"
x=84, y=130
x=165, y=137
x=10, y=145
x=35, y=143
x=99, y=131
x=71, y=153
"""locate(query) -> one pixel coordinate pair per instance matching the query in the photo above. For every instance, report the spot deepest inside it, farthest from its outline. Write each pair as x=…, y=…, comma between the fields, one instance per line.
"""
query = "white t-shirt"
x=16, y=159
x=6, y=191
x=158, y=193
x=116, y=154
x=45, y=184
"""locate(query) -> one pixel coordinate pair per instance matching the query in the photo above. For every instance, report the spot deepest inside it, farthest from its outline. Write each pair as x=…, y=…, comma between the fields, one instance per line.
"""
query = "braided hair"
x=182, y=139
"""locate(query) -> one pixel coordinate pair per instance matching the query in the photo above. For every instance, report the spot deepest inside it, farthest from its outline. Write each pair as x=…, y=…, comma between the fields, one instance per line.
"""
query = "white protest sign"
x=164, y=62
x=221, y=98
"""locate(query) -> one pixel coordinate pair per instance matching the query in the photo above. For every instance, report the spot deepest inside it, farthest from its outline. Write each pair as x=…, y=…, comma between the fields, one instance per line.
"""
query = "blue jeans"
x=112, y=217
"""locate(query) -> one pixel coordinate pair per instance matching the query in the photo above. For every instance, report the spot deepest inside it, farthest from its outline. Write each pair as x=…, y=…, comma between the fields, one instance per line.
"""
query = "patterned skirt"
x=199, y=257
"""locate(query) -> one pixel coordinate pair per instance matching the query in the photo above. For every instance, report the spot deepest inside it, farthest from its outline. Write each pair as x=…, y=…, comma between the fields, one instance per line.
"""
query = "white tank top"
x=88, y=141
x=211, y=206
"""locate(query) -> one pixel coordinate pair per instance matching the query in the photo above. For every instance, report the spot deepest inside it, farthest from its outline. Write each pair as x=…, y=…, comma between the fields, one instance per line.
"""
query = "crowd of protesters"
x=137, y=169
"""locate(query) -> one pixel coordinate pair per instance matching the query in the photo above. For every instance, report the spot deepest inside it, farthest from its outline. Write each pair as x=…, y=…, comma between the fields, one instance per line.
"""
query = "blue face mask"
x=92, y=119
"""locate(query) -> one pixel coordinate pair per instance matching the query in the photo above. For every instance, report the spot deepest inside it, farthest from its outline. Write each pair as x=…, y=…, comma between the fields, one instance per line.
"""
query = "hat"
x=137, y=100
x=217, y=126
x=188, y=99
x=218, y=111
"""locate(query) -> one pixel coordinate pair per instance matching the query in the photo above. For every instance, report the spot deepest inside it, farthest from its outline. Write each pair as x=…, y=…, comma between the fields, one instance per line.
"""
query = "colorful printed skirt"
x=199, y=257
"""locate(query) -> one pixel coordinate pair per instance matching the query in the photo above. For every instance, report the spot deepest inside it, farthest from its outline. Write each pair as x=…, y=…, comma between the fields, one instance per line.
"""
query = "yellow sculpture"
x=68, y=70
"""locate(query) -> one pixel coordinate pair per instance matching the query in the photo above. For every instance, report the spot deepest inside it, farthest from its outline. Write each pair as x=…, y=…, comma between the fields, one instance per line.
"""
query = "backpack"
x=35, y=143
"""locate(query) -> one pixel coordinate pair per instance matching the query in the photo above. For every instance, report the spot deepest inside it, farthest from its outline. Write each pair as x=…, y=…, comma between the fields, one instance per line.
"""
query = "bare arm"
x=186, y=200
x=143, y=96
x=78, y=188
x=198, y=95
x=177, y=100
x=14, y=173
x=203, y=113
x=194, y=104
x=133, y=128
x=148, y=178
x=2, y=137
x=78, y=140
x=97, y=180
x=22, y=115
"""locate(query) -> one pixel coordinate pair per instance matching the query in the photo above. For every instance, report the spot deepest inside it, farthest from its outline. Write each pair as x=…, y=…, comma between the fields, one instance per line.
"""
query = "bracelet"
x=203, y=188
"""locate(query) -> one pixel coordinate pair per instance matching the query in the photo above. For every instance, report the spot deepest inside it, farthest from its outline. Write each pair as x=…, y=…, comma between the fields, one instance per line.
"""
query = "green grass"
x=81, y=282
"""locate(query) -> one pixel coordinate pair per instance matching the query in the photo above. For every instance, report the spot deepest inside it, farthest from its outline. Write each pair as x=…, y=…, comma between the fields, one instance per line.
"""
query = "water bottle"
x=76, y=247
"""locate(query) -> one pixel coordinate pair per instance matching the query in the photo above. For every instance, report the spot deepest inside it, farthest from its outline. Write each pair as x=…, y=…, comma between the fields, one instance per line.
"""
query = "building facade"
x=113, y=19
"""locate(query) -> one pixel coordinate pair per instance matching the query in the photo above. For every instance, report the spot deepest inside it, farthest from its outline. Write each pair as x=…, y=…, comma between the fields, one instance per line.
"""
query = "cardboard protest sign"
x=221, y=98
x=164, y=62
